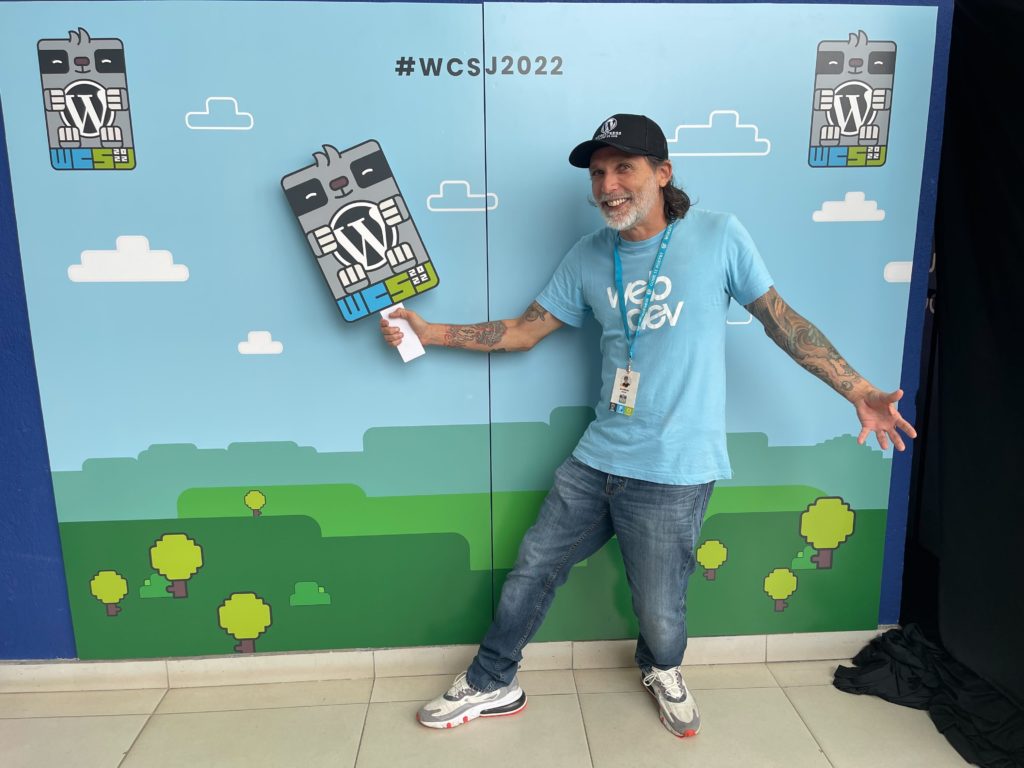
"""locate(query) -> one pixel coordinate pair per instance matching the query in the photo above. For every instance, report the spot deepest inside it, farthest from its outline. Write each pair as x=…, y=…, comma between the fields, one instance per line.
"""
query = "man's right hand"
x=393, y=335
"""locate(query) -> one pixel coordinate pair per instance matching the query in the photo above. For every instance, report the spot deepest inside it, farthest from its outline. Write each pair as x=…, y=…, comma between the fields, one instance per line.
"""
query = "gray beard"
x=641, y=204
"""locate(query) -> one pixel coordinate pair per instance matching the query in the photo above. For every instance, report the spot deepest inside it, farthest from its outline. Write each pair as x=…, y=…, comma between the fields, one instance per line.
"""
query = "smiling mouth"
x=612, y=205
x=83, y=70
x=342, y=194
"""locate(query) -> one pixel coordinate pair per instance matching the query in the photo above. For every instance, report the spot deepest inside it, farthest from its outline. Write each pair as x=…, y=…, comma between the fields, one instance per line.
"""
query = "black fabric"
x=904, y=667
x=980, y=270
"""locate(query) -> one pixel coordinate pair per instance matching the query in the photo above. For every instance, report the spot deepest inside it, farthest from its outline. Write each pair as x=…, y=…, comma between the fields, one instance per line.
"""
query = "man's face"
x=626, y=188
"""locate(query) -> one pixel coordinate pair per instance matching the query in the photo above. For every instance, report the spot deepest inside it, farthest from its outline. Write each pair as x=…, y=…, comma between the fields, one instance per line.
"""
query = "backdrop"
x=237, y=465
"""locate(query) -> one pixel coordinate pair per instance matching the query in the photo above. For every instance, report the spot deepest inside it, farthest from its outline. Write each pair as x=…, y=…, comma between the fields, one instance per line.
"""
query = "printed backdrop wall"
x=238, y=461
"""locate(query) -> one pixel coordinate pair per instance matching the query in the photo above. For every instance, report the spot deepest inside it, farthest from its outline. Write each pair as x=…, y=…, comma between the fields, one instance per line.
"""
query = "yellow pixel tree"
x=826, y=524
x=109, y=587
x=244, y=616
x=780, y=584
x=255, y=500
x=177, y=558
x=711, y=555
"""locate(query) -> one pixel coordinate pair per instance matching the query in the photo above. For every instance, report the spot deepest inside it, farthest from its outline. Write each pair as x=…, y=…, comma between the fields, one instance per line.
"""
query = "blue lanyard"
x=647, y=296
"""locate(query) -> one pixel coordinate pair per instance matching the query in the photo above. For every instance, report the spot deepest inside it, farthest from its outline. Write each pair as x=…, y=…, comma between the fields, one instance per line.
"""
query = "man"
x=644, y=469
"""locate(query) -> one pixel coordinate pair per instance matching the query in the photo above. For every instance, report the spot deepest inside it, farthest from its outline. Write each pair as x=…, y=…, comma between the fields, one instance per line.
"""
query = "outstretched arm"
x=803, y=342
x=514, y=335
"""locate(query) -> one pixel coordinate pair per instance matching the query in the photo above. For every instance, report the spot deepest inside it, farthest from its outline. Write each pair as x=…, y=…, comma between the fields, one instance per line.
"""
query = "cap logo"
x=607, y=130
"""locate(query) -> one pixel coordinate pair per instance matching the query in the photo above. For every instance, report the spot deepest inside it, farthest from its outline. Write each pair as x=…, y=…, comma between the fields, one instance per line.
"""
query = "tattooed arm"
x=514, y=335
x=803, y=342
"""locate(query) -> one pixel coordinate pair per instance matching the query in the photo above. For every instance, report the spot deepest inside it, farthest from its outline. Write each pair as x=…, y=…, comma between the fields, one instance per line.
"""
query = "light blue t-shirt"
x=676, y=434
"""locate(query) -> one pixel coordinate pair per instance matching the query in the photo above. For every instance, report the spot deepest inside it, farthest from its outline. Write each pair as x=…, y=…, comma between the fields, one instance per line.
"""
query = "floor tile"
x=548, y=682
x=713, y=676
x=805, y=646
x=419, y=688
x=82, y=742
x=245, y=669
x=79, y=703
x=83, y=676
x=309, y=737
x=603, y=654
x=266, y=696
x=547, y=734
x=790, y=673
x=438, y=660
x=703, y=677
x=866, y=731
x=737, y=649
x=537, y=656
x=425, y=687
x=753, y=727
x=621, y=680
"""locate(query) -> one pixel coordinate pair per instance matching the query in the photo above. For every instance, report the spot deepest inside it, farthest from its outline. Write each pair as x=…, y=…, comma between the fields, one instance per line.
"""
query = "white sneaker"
x=463, y=703
x=678, y=709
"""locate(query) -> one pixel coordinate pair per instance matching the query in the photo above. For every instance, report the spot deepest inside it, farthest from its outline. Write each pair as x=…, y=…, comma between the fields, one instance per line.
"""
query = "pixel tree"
x=245, y=617
x=780, y=584
x=826, y=524
x=255, y=500
x=109, y=587
x=711, y=555
x=177, y=558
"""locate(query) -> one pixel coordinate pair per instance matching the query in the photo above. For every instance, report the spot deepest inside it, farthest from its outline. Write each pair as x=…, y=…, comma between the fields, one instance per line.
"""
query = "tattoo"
x=535, y=312
x=458, y=335
x=491, y=333
x=802, y=341
x=482, y=334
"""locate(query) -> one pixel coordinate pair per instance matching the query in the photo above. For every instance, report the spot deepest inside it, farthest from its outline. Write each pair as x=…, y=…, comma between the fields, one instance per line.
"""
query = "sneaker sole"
x=513, y=707
x=685, y=734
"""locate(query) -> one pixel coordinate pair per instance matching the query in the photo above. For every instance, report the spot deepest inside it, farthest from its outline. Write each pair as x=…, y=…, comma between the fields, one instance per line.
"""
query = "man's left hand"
x=877, y=413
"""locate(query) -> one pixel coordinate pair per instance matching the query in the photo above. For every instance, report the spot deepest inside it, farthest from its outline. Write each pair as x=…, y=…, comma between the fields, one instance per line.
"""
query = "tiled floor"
x=779, y=714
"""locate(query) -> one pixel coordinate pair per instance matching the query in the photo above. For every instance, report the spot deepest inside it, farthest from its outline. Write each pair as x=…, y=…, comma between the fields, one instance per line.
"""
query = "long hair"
x=677, y=202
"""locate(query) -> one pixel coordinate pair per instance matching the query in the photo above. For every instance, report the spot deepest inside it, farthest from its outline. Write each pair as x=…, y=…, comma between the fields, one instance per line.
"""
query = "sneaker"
x=678, y=709
x=463, y=703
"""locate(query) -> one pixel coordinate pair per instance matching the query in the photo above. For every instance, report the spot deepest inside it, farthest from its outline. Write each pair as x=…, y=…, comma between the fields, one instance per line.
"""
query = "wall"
x=151, y=288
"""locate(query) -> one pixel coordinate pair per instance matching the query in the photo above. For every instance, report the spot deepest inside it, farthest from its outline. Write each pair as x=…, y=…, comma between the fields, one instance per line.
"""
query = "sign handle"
x=410, y=348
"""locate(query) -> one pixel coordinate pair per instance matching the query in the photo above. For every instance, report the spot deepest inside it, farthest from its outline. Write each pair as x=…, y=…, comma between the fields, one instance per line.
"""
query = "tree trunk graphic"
x=823, y=558
x=245, y=646
x=780, y=605
x=178, y=588
x=113, y=610
x=709, y=574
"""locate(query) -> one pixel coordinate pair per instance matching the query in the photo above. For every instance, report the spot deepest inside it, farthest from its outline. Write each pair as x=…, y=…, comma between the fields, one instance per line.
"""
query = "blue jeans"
x=657, y=527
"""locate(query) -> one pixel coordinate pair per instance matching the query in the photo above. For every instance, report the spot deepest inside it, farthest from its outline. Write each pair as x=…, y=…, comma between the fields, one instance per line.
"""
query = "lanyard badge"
x=623, y=397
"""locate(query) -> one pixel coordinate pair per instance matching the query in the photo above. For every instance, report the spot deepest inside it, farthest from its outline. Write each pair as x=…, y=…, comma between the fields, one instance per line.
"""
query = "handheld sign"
x=359, y=227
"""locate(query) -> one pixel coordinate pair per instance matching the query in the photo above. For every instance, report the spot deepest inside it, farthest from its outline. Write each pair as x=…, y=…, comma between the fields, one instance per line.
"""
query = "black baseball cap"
x=635, y=134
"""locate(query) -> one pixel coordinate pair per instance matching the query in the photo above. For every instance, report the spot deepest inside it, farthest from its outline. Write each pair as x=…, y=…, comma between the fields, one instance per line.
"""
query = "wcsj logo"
x=85, y=100
x=853, y=86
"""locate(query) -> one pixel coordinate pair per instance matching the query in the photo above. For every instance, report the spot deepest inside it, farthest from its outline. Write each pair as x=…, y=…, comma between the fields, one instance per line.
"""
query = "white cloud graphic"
x=898, y=271
x=723, y=135
x=454, y=197
x=260, y=343
x=736, y=311
x=220, y=114
x=854, y=207
x=130, y=262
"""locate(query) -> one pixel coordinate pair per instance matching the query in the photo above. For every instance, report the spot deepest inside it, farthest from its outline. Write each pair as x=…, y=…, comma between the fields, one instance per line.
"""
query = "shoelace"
x=670, y=679
x=460, y=686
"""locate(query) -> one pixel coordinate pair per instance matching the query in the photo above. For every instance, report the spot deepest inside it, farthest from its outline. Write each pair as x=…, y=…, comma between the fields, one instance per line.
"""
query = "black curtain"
x=964, y=577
